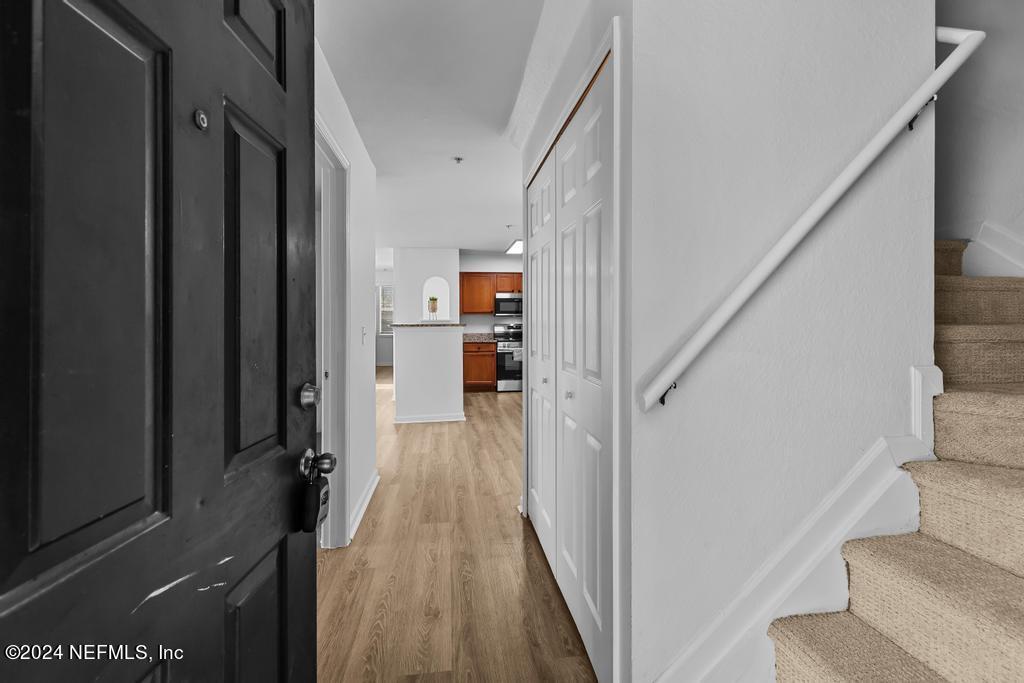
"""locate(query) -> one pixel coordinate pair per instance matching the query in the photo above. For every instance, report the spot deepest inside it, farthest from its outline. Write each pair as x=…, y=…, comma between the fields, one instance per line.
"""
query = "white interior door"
x=583, y=183
x=540, y=265
x=331, y=250
x=325, y=190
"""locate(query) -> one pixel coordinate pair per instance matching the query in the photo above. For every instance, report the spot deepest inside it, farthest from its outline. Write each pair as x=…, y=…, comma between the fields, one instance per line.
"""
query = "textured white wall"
x=743, y=113
x=980, y=130
x=359, y=348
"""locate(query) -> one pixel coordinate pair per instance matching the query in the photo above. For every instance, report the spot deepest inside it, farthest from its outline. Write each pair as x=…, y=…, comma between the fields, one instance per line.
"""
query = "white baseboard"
x=443, y=417
x=925, y=385
x=364, y=501
x=807, y=573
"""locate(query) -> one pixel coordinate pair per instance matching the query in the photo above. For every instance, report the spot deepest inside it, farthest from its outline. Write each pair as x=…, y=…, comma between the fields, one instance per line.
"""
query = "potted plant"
x=432, y=307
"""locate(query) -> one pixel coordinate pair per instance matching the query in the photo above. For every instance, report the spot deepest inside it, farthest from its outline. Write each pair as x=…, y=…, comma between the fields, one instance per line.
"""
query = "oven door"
x=510, y=370
x=508, y=305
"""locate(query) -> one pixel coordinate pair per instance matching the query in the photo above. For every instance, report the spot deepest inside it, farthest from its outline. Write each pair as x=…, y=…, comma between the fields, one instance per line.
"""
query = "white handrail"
x=967, y=42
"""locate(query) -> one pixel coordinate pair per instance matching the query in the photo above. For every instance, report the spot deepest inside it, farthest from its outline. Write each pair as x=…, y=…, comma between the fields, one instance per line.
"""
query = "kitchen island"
x=428, y=372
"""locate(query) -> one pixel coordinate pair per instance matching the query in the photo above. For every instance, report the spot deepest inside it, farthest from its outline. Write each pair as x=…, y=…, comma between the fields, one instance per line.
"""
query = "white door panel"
x=540, y=334
x=583, y=359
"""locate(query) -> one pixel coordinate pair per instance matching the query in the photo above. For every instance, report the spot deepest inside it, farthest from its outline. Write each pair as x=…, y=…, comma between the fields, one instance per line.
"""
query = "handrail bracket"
x=910, y=126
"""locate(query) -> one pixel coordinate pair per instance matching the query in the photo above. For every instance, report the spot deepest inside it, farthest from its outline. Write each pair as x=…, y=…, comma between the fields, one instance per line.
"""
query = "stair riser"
x=793, y=665
x=949, y=260
x=980, y=530
x=981, y=439
x=980, y=362
x=972, y=307
x=919, y=620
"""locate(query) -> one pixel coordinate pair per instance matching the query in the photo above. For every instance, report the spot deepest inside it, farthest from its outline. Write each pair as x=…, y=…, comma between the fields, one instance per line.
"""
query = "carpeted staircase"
x=946, y=603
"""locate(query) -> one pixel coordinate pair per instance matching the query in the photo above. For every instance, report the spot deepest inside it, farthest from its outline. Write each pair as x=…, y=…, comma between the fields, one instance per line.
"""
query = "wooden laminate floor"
x=444, y=580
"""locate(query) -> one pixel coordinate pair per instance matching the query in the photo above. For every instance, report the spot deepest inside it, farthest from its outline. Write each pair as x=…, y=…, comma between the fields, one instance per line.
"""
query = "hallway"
x=444, y=580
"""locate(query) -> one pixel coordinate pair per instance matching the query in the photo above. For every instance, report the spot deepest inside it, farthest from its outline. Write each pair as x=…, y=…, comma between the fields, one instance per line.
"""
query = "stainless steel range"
x=510, y=356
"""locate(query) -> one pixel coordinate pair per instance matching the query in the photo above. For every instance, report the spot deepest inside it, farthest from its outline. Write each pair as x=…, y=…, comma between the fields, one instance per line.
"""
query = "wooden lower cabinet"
x=479, y=366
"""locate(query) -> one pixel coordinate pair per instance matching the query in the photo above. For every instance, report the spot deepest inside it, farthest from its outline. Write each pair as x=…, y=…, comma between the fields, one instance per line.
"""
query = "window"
x=385, y=308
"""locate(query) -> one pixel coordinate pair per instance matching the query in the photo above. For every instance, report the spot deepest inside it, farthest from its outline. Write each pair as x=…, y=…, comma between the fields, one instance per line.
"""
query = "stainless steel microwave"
x=508, y=305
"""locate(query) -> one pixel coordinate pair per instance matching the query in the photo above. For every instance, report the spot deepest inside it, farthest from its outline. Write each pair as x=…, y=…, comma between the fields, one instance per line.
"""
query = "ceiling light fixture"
x=458, y=160
x=515, y=248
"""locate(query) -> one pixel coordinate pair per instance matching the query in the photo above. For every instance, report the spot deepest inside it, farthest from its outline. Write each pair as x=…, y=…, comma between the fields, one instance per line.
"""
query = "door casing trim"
x=337, y=530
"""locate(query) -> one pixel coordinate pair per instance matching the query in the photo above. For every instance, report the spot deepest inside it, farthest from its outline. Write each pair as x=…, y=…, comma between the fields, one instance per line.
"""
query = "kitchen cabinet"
x=505, y=282
x=508, y=282
x=477, y=292
x=479, y=366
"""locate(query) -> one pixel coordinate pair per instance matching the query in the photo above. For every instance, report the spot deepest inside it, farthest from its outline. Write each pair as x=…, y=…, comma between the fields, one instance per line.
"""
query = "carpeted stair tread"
x=839, y=647
x=979, y=300
x=977, y=508
x=961, y=616
x=981, y=423
x=949, y=257
x=980, y=353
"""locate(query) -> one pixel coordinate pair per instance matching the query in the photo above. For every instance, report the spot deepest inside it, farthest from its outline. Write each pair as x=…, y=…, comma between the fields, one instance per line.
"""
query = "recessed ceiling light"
x=515, y=248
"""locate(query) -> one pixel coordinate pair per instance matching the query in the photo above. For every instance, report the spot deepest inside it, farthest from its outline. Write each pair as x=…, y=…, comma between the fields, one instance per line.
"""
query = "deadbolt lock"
x=309, y=396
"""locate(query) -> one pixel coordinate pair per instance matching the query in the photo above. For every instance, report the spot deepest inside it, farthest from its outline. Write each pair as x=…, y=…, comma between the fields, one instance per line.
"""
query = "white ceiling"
x=427, y=81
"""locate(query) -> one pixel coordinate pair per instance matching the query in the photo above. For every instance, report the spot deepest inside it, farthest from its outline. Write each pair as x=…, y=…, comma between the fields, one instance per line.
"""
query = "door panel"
x=254, y=623
x=584, y=399
x=157, y=290
x=253, y=185
x=540, y=282
x=259, y=25
x=115, y=73
x=566, y=327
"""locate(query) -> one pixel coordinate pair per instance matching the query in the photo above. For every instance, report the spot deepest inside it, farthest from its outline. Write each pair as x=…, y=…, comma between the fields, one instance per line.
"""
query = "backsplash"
x=484, y=323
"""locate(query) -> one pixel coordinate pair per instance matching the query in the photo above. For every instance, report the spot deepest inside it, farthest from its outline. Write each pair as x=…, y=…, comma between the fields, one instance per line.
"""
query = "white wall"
x=743, y=113
x=471, y=261
x=980, y=138
x=412, y=268
x=359, y=347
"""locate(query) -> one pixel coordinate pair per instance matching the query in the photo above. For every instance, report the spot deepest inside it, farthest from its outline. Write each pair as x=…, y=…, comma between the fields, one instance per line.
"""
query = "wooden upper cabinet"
x=477, y=292
x=518, y=282
x=506, y=282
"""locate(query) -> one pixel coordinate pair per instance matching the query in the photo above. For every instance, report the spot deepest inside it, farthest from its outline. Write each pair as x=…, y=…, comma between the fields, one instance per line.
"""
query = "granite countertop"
x=429, y=324
x=478, y=337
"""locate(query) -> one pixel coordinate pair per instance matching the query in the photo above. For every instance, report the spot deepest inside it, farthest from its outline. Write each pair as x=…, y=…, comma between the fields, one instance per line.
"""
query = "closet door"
x=584, y=397
x=540, y=265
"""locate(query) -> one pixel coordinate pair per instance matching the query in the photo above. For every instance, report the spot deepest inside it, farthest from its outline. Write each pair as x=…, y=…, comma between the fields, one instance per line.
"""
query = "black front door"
x=157, y=301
